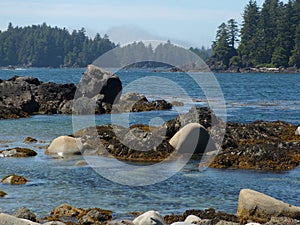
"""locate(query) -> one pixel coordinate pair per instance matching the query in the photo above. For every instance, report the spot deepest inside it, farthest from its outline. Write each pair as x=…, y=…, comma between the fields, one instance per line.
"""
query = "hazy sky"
x=188, y=22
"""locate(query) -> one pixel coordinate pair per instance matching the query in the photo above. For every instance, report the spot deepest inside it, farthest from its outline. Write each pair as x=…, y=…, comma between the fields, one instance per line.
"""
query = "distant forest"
x=269, y=37
x=45, y=46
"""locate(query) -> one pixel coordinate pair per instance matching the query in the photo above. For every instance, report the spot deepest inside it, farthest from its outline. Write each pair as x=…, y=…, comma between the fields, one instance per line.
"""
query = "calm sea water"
x=248, y=97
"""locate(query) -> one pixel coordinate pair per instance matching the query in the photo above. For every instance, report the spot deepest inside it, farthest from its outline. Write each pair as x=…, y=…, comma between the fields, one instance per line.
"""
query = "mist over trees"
x=45, y=46
x=269, y=36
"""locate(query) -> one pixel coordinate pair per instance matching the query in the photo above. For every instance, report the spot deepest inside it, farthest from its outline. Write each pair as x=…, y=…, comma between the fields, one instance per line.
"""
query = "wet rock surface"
x=2, y=194
x=137, y=143
x=97, y=92
x=17, y=152
x=25, y=213
x=14, y=179
x=254, y=206
x=259, y=145
x=71, y=215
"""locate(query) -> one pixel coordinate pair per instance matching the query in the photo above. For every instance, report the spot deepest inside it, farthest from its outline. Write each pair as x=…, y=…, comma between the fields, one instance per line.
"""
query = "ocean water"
x=248, y=97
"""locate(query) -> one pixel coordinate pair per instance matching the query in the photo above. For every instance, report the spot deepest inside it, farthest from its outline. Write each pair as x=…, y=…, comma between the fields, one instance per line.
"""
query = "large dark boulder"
x=96, y=81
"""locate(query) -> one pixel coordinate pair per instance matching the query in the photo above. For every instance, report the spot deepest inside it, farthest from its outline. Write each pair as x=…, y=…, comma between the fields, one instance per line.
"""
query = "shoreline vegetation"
x=268, y=40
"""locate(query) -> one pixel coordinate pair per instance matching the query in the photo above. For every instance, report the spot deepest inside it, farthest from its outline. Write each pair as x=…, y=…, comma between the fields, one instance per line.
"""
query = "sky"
x=186, y=22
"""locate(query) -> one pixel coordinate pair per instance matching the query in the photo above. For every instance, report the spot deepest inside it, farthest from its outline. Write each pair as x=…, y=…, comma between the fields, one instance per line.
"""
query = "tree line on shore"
x=45, y=46
x=269, y=37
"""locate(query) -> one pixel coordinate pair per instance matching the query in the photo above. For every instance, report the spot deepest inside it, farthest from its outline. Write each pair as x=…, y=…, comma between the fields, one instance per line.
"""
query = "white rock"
x=149, y=218
x=6, y=219
x=258, y=207
x=64, y=145
x=297, y=132
x=192, y=219
x=191, y=138
x=54, y=223
x=253, y=224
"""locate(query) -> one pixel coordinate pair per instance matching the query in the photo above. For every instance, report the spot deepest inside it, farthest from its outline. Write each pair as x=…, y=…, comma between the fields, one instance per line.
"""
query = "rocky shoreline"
x=98, y=92
x=259, y=145
x=252, y=207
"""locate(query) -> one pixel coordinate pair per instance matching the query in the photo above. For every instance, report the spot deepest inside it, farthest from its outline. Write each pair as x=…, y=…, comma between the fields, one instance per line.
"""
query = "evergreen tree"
x=44, y=46
x=267, y=31
x=223, y=46
x=248, y=45
x=295, y=58
x=284, y=41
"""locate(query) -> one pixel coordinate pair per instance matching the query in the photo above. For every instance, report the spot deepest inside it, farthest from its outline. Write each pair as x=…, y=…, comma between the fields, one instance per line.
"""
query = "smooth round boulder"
x=297, y=132
x=254, y=206
x=64, y=145
x=14, y=179
x=149, y=218
x=6, y=219
x=192, y=138
x=192, y=219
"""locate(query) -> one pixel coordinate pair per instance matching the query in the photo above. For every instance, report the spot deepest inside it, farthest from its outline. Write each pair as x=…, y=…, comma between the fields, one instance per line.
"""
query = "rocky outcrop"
x=64, y=145
x=14, y=179
x=18, y=152
x=259, y=145
x=254, y=206
x=134, y=102
x=21, y=96
x=67, y=214
x=136, y=143
x=97, y=92
x=25, y=213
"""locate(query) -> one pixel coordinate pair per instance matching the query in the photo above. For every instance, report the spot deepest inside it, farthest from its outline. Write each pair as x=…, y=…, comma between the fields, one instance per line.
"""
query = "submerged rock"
x=18, y=152
x=2, y=194
x=30, y=140
x=254, y=206
x=14, y=179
